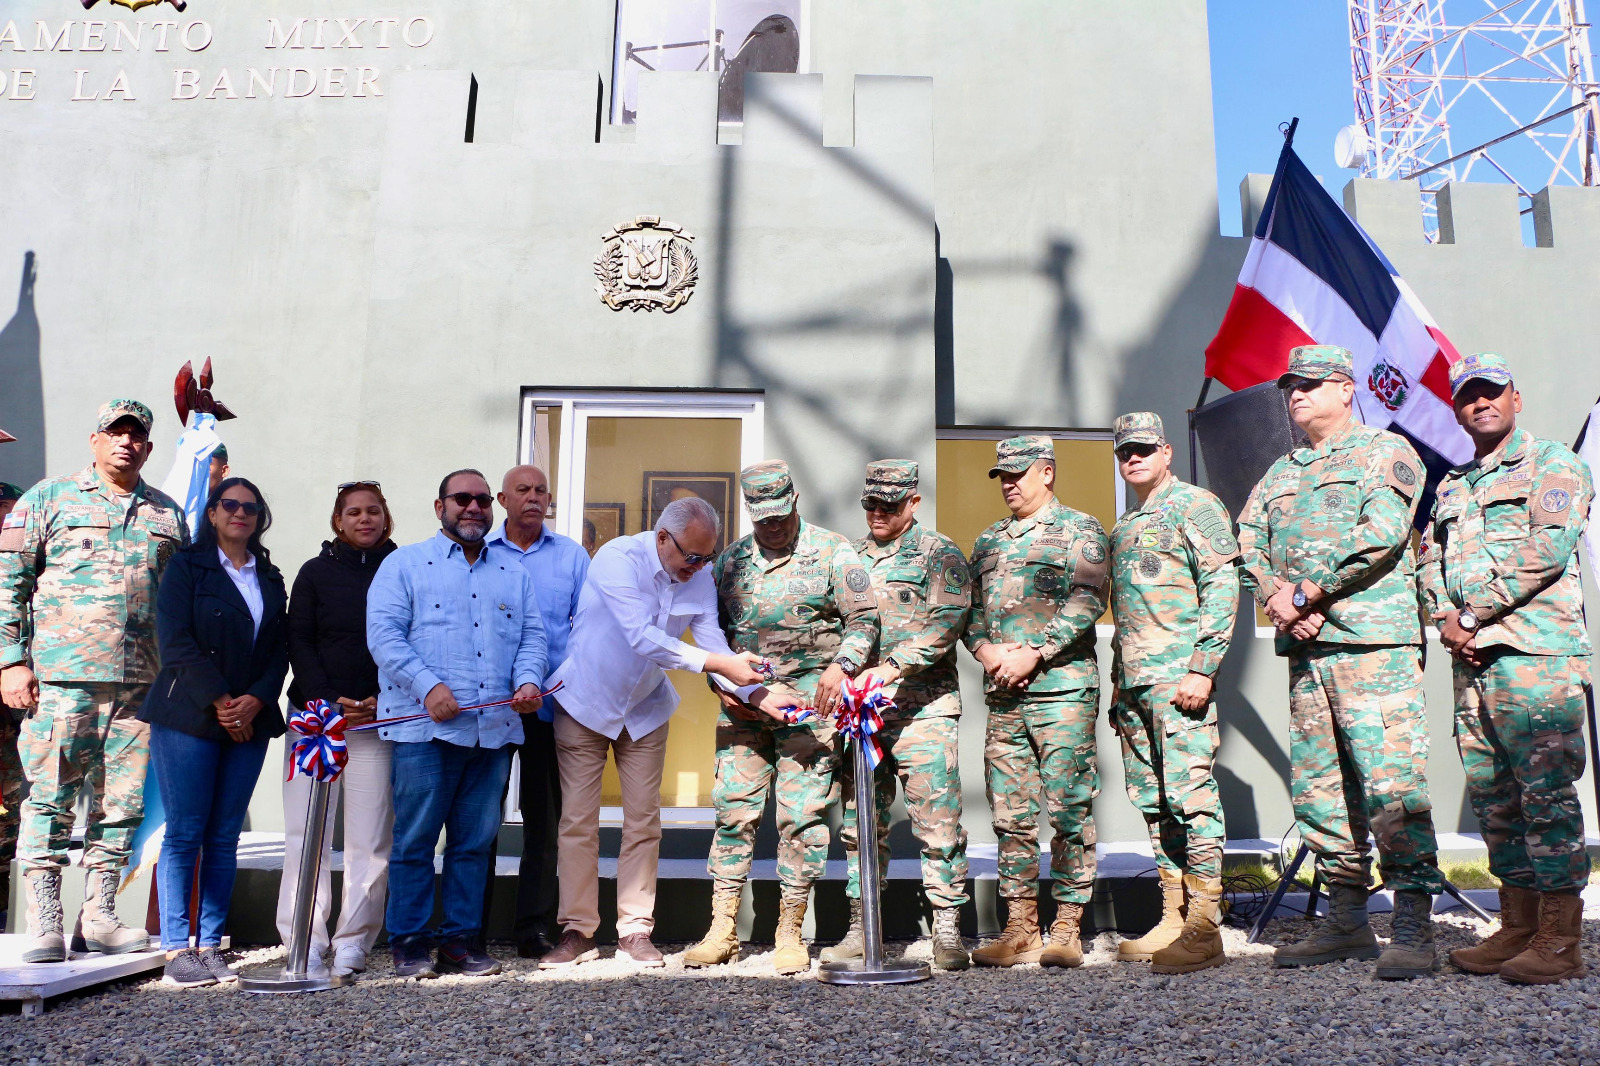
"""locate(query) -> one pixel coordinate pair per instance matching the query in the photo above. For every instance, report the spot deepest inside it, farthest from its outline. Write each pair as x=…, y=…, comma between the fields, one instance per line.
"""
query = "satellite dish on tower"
x=1350, y=147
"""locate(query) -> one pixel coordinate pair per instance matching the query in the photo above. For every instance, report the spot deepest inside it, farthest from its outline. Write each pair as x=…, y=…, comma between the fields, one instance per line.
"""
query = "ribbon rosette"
x=319, y=750
x=862, y=703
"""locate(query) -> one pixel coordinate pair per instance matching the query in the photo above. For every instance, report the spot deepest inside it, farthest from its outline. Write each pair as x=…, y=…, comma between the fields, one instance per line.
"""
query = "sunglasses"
x=689, y=557
x=872, y=503
x=231, y=506
x=359, y=485
x=462, y=499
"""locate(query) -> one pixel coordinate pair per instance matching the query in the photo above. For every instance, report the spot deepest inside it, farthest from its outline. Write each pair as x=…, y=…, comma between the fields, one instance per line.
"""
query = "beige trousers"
x=581, y=753
x=368, y=832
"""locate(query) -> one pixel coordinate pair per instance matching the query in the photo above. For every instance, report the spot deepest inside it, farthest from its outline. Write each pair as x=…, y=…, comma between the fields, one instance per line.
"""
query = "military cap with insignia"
x=1138, y=427
x=1318, y=362
x=1484, y=366
x=890, y=480
x=9, y=492
x=768, y=490
x=1015, y=454
x=115, y=411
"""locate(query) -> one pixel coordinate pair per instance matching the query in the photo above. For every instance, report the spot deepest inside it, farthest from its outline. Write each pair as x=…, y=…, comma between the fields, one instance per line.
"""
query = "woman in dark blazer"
x=221, y=627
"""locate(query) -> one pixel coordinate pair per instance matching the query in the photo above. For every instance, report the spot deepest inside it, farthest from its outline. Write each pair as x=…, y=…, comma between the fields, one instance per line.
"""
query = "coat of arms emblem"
x=646, y=264
x=134, y=5
x=1389, y=385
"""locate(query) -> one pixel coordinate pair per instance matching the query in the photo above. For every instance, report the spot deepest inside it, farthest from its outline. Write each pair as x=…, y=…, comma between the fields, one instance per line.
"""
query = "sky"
x=1272, y=60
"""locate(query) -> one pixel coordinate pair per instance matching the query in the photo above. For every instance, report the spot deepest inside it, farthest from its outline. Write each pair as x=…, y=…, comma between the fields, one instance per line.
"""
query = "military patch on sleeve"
x=955, y=577
x=1094, y=553
x=1403, y=478
x=14, y=530
x=857, y=580
x=1553, y=503
x=1225, y=544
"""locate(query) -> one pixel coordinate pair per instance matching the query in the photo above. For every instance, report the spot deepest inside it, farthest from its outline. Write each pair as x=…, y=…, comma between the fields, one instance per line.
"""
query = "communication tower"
x=1483, y=90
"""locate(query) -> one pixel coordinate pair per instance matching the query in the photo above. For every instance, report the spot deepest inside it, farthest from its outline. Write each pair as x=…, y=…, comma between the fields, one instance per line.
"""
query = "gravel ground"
x=608, y=1012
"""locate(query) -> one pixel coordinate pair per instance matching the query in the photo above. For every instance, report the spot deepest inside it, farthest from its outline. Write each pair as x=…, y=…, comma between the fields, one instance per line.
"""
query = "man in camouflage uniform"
x=80, y=559
x=923, y=591
x=1325, y=543
x=10, y=764
x=1174, y=595
x=798, y=596
x=1500, y=576
x=1039, y=586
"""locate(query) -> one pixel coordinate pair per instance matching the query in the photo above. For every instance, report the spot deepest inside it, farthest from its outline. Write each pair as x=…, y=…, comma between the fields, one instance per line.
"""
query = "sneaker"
x=187, y=969
x=349, y=958
x=637, y=947
x=411, y=957
x=466, y=959
x=217, y=965
x=574, y=948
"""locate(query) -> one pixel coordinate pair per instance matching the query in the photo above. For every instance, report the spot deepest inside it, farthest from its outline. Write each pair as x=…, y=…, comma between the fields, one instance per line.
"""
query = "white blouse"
x=249, y=585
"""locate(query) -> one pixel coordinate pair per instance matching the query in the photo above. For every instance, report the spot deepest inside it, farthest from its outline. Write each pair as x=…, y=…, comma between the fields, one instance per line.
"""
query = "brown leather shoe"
x=1519, y=920
x=1556, y=951
x=574, y=948
x=637, y=947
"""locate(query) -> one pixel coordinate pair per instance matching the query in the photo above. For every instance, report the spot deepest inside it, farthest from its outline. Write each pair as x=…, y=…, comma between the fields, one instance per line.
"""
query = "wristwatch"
x=1467, y=620
x=848, y=665
x=1299, y=598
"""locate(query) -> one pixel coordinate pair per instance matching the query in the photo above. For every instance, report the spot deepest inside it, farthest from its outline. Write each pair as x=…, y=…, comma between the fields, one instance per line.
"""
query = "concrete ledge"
x=32, y=983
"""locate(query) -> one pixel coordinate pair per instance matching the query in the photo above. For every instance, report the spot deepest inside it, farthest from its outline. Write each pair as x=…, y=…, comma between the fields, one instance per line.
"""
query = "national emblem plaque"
x=645, y=265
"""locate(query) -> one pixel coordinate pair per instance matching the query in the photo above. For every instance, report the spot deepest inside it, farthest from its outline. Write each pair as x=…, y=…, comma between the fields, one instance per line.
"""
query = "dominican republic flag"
x=1313, y=276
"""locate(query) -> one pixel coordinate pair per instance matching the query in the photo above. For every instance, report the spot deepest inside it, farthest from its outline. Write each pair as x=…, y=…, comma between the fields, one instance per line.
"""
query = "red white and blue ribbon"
x=862, y=703
x=381, y=722
x=319, y=750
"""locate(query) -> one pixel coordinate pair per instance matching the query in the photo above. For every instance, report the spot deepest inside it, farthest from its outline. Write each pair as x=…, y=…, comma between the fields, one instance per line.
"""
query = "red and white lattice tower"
x=1482, y=90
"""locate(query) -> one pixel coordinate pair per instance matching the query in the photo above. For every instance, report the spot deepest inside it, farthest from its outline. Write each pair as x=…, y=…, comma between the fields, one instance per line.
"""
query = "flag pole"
x=1588, y=691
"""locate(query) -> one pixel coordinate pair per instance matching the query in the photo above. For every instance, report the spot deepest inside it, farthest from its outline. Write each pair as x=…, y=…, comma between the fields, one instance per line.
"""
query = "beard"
x=467, y=530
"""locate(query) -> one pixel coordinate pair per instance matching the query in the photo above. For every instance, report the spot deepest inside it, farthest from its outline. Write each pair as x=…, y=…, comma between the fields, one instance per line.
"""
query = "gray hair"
x=679, y=515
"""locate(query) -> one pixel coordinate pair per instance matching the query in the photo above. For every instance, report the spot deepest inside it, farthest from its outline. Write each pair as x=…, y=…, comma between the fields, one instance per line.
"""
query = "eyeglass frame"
x=359, y=485
x=689, y=558
x=887, y=508
x=251, y=508
x=482, y=499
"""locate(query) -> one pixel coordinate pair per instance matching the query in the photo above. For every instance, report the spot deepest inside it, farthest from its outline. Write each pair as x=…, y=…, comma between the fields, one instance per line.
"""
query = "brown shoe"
x=1519, y=920
x=637, y=947
x=1065, y=949
x=1556, y=951
x=1020, y=942
x=1166, y=930
x=1199, y=945
x=574, y=948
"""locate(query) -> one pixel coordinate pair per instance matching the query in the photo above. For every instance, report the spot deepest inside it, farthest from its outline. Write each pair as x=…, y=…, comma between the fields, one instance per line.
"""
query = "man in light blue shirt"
x=558, y=566
x=453, y=624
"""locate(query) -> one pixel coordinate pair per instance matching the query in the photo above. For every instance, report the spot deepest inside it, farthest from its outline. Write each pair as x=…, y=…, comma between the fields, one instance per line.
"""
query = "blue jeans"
x=206, y=786
x=443, y=786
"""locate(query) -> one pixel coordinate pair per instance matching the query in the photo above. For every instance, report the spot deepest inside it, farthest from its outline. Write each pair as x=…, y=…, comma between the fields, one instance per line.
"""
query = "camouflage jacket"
x=1041, y=581
x=923, y=596
x=1340, y=515
x=1174, y=586
x=84, y=563
x=802, y=610
x=1503, y=540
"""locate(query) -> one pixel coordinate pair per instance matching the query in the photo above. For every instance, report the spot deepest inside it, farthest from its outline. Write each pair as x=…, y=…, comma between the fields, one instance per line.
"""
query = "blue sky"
x=1270, y=61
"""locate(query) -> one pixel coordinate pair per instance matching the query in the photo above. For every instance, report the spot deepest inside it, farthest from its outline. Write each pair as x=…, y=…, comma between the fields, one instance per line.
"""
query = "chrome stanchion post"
x=292, y=976
x=873, y=969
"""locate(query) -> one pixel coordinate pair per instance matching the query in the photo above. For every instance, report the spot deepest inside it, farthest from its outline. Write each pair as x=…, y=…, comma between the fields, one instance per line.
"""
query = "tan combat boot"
x=1199, y=945
x=1166, y=930
x=1064, y=948
x=99, y=928
x=1020, y=942
x=45, y=941
x=949, y=953
x=791, y=954
x=1556, y=951
x=1519, y=920
x=721, y=943
x=854, y=944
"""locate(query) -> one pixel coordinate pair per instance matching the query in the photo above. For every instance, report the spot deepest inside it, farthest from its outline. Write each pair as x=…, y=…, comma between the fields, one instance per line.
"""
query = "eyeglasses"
x=689, y=557
x=1128, y=451
x=872, y=503
x=250, y=509
x=359, y=485
x=462, y=499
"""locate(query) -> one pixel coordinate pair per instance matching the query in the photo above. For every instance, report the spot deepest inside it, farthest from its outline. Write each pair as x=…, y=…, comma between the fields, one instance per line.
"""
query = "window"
x=633, y=453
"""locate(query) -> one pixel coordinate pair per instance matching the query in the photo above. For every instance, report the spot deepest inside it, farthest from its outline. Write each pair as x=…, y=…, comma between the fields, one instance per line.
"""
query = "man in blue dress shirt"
x=453, y=624
x=558, y=566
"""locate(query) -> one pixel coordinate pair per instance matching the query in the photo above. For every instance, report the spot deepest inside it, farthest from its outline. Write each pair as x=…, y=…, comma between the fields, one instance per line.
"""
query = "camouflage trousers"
x=1043, y=744
x=83, y=735
x=10, y=789
x=798, y=762
x=1519, y=727
x=924, y=754
x=1167, y=758
x=1358, y=752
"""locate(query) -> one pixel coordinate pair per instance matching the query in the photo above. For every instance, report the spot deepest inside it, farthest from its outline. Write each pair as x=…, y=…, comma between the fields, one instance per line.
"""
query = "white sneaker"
x=316, y=966
x=348, y=958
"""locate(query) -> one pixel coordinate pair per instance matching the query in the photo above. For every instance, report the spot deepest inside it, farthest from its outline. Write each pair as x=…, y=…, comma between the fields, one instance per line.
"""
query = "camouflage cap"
x=9, y=492
x=1485, y=365
x=1015, y=454
x=1318, y=362
x=115, y=410
x=768, y=490
x=1138, y=427
x=890, y=480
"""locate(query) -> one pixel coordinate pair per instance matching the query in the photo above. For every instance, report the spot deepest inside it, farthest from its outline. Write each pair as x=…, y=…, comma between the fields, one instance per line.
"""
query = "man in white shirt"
x=642, y=591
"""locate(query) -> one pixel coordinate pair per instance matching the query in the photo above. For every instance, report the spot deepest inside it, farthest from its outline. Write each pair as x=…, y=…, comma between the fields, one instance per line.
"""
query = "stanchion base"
x=276, y=979
x=888, y=972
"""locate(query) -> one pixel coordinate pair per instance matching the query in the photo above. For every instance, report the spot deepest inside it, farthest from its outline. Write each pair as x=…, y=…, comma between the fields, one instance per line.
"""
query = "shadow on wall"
x=22, y=388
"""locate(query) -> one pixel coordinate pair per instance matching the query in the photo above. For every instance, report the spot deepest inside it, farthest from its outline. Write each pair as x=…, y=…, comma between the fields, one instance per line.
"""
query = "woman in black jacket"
x=222, y=631
x=328, y=650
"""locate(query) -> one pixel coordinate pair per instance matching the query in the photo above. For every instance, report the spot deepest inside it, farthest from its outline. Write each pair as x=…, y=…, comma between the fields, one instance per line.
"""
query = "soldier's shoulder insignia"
x=955, y=576
x=856, y=579
x=1089, y=522
x=1402, y=477
x=1554, y=500
x=14, y=530
x=1224, y=544
x=1093, y=552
